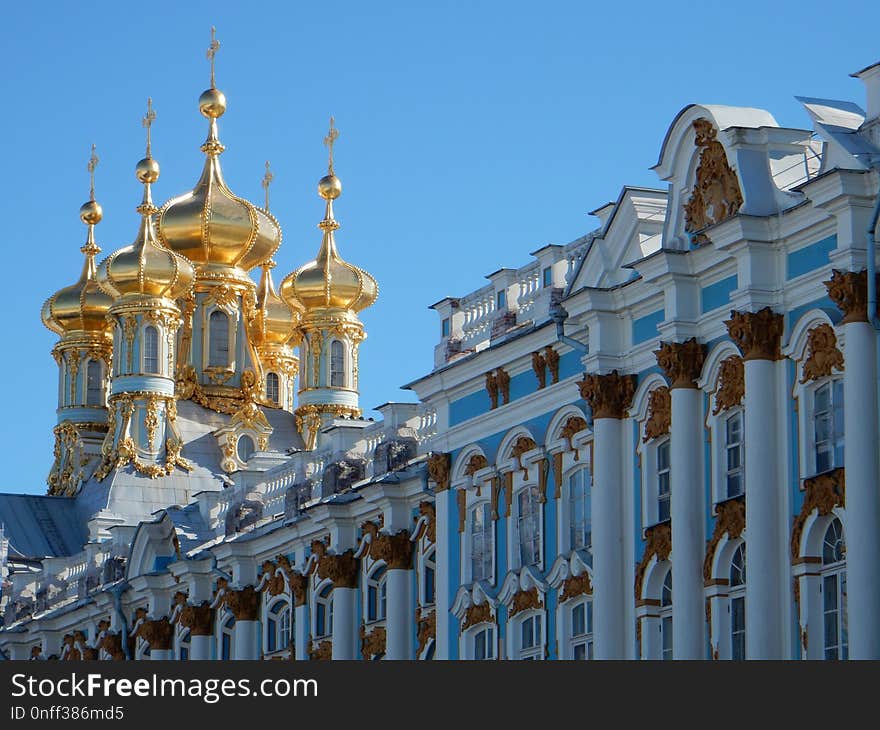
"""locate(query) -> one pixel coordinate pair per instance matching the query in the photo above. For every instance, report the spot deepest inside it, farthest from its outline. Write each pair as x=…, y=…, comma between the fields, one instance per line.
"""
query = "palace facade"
x=657, y=441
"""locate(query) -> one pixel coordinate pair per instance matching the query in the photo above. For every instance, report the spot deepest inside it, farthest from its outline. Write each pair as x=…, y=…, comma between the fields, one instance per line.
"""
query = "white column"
x=300, y=631
x=345, y=623
x=763, y=451
x=447, y=520
x=862, y=492
x=200, y=647
x=399, y=615
x=608, y=584
x=246, y=640
x=688, y=536
x=161, y=654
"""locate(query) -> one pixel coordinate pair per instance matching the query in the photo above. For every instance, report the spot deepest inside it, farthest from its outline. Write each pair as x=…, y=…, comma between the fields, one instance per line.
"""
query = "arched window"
x=828, y=425
x=482, y=543
x=834, y=608
x=666, y=616
x=226, y=638
x=531, y=638
x=429, y=579
x=183, y=644
x=734, y=452
x=580, y=522
x=151, y=350
x=95, y=383
x=218, y=339
x=245, y=447
x=663, y=494
x=529, y=526
x=324, y=612
x=376, y=595
x=582, y=630
x=738, y=603
x=272, y=387
x=278, y=627
x=337, y=364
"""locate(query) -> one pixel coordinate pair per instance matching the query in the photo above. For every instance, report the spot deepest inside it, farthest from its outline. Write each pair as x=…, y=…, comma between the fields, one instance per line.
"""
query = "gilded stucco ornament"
x=439, y=467
x=67, y=472
x=823, y=355
x=320, y=652
x=477, y=613
x=576, y=585
x=341, y=569
x=396, y=550
x=539, y=366
x=158, y=633
x=716, y=194
x=730, y=519
x=609, y=396
x=426, y=628
x=429, y=511
x=198, y=619
x=821, y=493
x=524, y=600
x=659, y=418
x=492, y=390
x=372, y=642
x=758, y=335
x=551, y=357
x=658, y=543
x=731, y=384
x=244, y=603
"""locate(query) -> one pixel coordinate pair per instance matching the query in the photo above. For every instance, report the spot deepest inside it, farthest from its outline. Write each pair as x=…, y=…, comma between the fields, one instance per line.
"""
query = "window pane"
x=578, y=620
x=151, y=350
x=272, y=387
x=218, y=337
x=547, y=276
x=337, y=364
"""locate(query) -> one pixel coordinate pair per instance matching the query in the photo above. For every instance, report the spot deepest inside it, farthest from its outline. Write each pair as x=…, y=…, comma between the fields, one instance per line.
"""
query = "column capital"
x=157, y=633
x=396, y=550
x=609, y=396
x=341, y=569
x=758, y=335
x=849, y=291
x=198, y=619
x=244, y=603
x=681, y=362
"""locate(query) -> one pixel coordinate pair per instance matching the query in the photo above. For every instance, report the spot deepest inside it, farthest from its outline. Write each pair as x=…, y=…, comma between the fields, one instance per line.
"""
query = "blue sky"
x=471, y=134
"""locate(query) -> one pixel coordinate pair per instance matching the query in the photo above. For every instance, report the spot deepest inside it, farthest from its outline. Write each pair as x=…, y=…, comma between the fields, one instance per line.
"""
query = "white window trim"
x=514, y=561
x=563, y=504
x=514, y=635
x=468, y=641
x=232, y=315
x=328, y=601
x=717, y=425
x=471, y=503
x=268, y=605
x=161, y=354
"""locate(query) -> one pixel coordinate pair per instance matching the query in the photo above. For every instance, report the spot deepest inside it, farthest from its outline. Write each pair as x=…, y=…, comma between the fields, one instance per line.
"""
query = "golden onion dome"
x=210, y=225
x=146, y=268
x=276, y=319
x=329, y=282
x=81, y=307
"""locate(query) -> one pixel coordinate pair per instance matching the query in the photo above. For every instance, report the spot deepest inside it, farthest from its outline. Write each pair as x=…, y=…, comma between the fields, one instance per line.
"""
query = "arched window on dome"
x=151, y=350
x=337, y=364
x=738, y=603
x=95, y=383
x=218, y=339
x=272, y=387
x=245, y=448
x=834, y=608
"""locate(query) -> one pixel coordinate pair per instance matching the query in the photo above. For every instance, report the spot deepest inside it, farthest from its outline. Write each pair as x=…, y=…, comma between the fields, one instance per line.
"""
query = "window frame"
x=517, y=558
x=99, y=390
x=147, y=367
x=338, y=370
x=273, y=387
x=323, y=614
x=488, y=531
x=834, y=570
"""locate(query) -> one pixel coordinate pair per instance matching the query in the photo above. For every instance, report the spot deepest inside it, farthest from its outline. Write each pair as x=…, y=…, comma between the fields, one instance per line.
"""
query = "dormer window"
x=547, y=277
x=500, y=299
x=444, y=327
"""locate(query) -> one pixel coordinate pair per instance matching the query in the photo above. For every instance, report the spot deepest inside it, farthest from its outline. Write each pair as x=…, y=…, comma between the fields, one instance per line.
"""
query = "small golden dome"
x=81, y=307
x=146, y=268
x=276, y=319
x=329, y=282
x=210, y=225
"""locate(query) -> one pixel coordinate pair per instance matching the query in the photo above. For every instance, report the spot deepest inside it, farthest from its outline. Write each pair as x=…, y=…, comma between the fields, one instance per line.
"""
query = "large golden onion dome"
x=276, y=320
x=329, y=282
x=81, y=307
x=146, y=268
x=218, y=231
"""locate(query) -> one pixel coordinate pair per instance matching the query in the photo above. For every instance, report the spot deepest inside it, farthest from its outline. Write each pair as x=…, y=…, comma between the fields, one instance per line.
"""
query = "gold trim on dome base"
x=310, y=417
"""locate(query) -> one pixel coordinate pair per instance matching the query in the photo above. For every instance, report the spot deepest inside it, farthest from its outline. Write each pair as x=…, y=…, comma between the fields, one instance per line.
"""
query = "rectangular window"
x=429, y=585
x=529, y=526
x=663, y=512
x=834, y=615
x=547, y=277
x=580, y=521
x=482, y=544
x=444, y=327
x=582, y=631
x=666, y=632
x=484, y=644
x=738, y=628
x=530, y=638
x=500, y=299
x=828, y=426
x=734, y=455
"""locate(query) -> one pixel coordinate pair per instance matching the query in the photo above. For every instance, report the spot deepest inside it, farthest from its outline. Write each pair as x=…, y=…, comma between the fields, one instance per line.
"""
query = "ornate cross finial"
x=212, y=51
x=147, y=122
x=267, y=180
x=331, y=137
x=93, y=163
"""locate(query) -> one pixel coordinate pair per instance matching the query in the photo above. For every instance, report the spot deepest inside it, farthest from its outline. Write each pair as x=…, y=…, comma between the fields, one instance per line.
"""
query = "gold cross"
x=267, y=180
x=147, y=121
x=93, y=163
x=212, y=51
x=331, y=137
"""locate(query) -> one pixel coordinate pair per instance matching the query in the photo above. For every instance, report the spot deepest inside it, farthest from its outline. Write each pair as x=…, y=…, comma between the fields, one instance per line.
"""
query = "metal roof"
x=41, y=526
